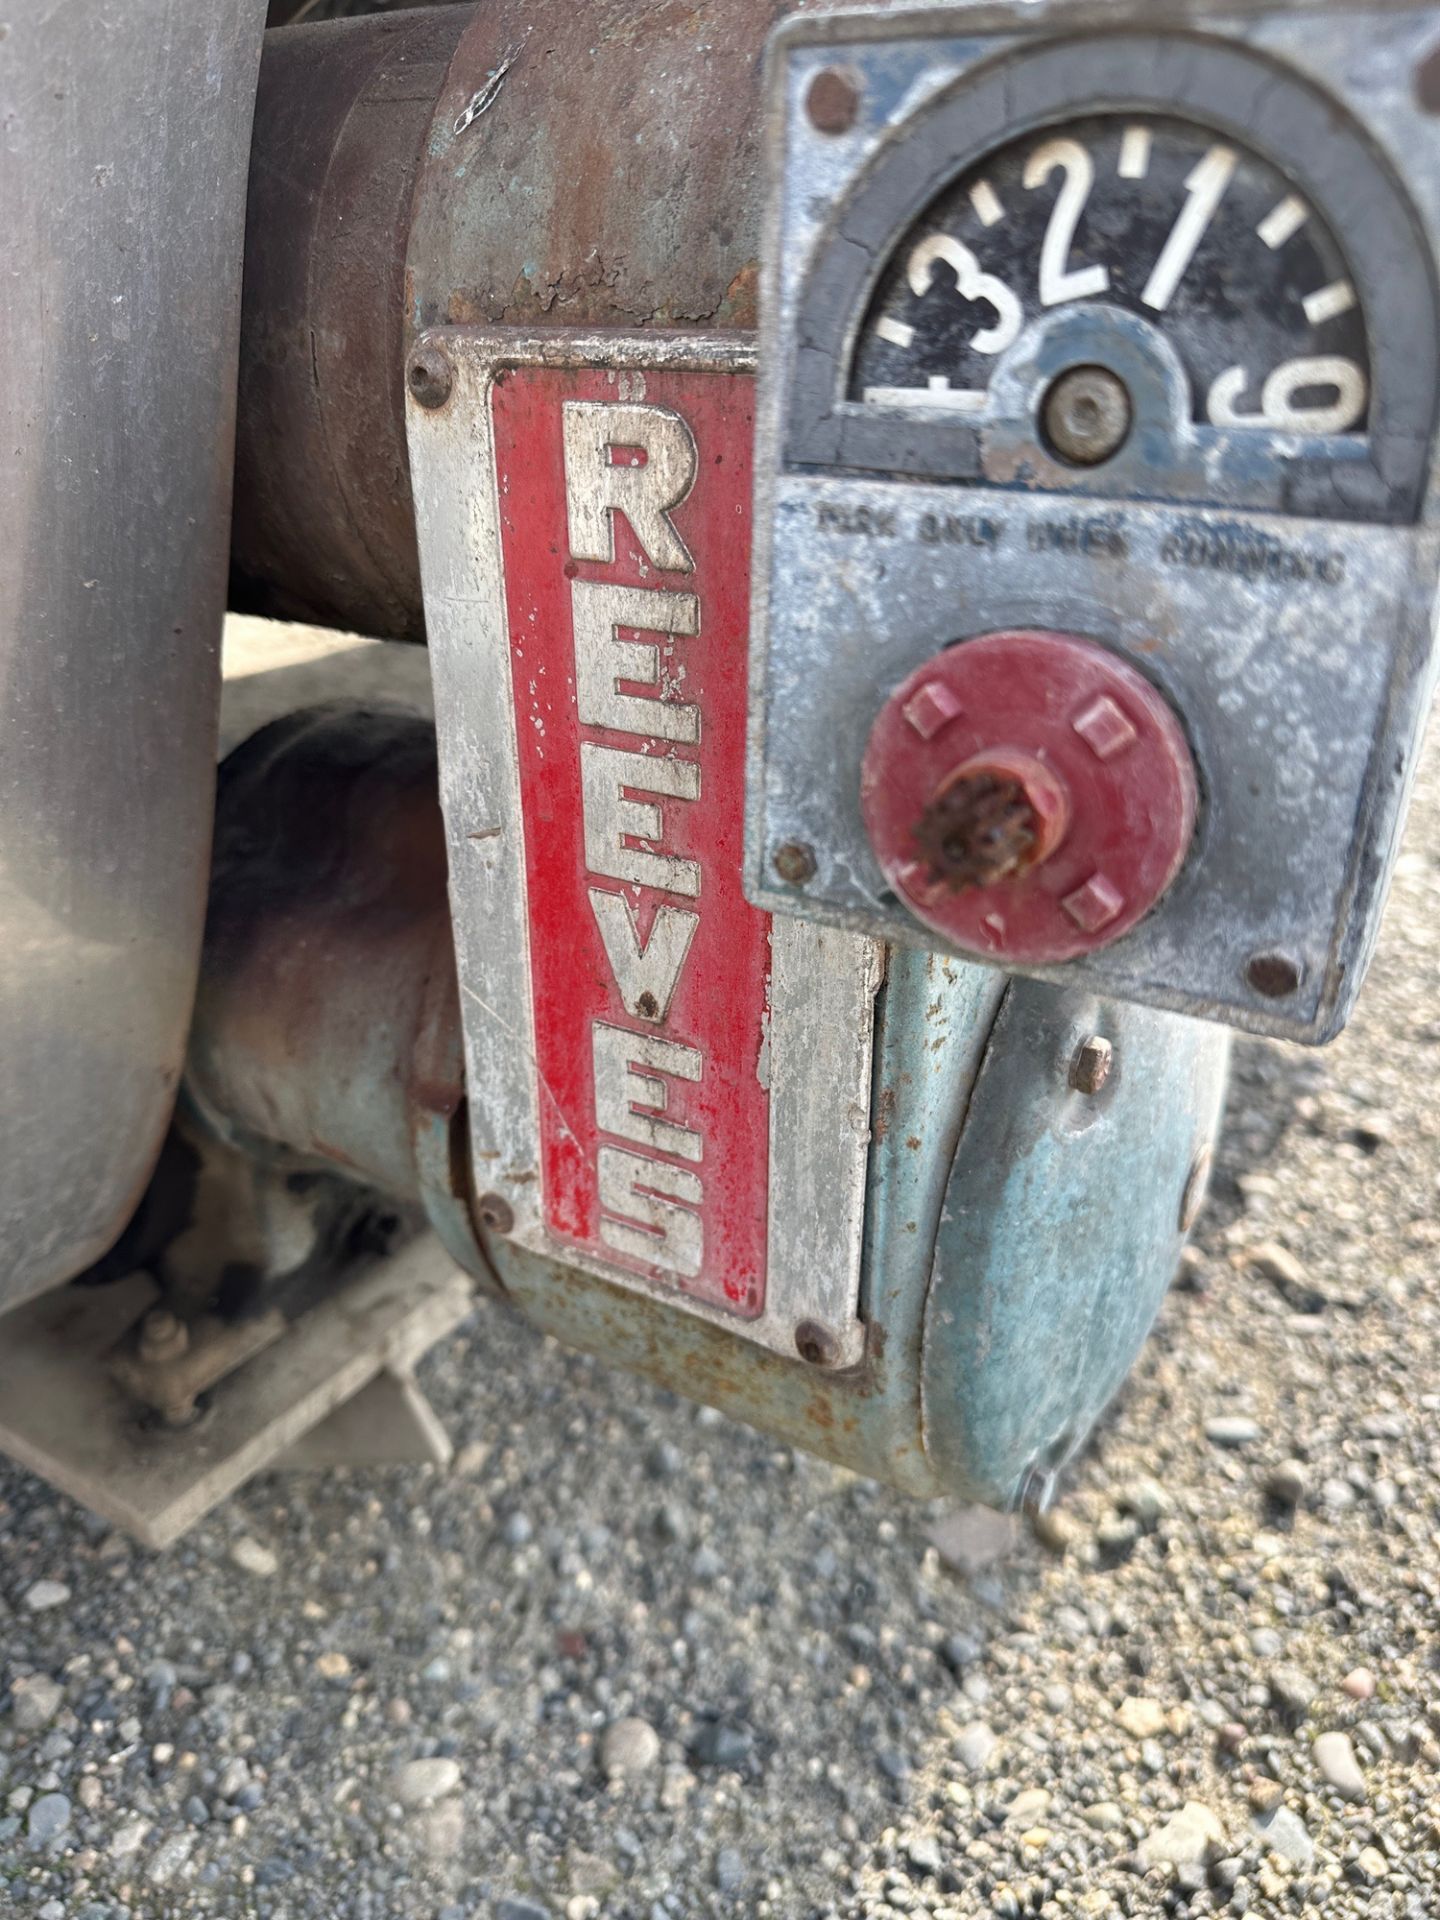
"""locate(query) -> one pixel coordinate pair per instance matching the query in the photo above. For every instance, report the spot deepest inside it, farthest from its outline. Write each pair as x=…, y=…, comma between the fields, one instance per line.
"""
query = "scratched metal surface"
x=1303, y=701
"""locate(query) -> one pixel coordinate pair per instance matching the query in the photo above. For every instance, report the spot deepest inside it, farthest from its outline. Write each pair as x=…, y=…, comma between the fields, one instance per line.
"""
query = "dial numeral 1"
x=1205, y=189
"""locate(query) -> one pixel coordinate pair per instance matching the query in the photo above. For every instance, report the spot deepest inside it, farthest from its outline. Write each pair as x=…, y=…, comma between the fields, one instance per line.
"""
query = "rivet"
x=1274, y=975
x=832, y=101
x=816, y=1344
x=429, y=376
x=494, y=1211
x=795, y=863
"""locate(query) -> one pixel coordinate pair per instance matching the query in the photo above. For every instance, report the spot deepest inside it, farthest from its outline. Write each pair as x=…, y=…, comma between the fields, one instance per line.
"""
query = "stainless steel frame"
x=122, y=199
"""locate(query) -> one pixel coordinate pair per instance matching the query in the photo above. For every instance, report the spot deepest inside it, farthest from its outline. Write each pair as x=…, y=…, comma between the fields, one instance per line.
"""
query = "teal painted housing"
x=1061, y=1229
x=1020, y=1237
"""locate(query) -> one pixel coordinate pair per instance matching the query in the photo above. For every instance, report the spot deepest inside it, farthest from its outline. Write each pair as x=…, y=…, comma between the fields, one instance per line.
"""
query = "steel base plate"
x=63, y=1415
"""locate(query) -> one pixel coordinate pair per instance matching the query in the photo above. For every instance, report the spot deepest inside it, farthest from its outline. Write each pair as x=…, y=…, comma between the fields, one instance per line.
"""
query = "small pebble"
x=974, y=1745
x=1285, y=1833
x=729, y=1870
x=630, y=1747
x=1292, y=1690
x=1335, y=1758
x=1190, y=1837
x=253, y=1558
x=1142, y=1719
x=1287, y=1483
x=1371, y=1864
x=720, y=1745
x=49, y=1816
x=46, y=1594
x=35, y=1701
x=421, y=1782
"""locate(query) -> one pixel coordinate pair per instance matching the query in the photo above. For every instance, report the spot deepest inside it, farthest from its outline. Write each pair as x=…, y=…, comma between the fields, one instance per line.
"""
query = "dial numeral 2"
x=1059, y=281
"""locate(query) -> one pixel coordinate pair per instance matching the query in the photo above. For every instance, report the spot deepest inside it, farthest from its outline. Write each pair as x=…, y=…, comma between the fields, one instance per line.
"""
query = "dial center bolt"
x=1086, y=415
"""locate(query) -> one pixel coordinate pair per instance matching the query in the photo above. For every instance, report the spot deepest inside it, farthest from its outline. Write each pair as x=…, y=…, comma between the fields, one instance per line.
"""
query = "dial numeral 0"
x=1278, y=406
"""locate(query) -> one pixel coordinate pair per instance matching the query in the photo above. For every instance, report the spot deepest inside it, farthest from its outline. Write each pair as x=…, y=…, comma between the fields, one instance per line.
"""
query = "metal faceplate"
x=1235, y=213
x=668, y=1090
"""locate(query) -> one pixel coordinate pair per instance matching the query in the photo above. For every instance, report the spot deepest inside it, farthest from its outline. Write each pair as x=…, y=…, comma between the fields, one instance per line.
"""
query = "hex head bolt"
x=163, y=1336
x=1090, y=1069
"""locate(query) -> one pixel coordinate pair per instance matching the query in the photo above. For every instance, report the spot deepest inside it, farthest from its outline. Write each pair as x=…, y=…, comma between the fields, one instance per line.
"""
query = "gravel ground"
x=627, y=1661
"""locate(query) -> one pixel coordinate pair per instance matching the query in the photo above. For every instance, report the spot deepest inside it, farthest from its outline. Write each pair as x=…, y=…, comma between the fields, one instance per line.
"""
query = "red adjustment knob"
x=1028, y=795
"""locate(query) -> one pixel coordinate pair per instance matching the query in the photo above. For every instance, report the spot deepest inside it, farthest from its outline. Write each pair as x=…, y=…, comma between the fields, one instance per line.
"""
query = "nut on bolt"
x=430, y=376
x=1090, y=1068
x=164, y=1336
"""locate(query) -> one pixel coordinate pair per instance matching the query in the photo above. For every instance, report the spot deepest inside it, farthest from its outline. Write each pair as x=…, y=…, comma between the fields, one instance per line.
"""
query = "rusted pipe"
x=324, y=527
x=588, y=165
x=327, y=1026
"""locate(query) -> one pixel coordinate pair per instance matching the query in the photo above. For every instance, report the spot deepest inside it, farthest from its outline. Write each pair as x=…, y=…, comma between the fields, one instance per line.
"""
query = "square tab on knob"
x=1105, y=729
x=931, y=707
x=1094, y=905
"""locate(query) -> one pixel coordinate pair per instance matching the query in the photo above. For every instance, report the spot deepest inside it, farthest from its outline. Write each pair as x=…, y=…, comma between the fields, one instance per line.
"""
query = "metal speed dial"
x=1189, y=231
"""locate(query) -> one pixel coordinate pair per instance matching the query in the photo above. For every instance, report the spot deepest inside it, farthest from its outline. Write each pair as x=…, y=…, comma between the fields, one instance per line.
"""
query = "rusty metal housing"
x=595, y=165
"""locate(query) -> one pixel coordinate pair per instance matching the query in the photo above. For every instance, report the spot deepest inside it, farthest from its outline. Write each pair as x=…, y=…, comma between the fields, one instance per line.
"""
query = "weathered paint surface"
x=666, y=1085
x=1060, y=1232
x=650, y=972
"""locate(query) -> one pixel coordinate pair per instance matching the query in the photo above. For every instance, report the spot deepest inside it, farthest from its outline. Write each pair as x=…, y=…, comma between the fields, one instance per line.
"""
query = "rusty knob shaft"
x=978, y=831
x=998, y=814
